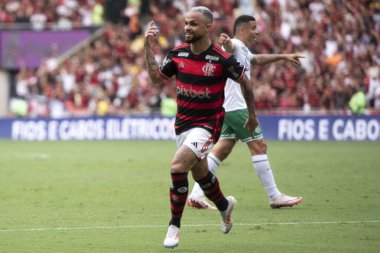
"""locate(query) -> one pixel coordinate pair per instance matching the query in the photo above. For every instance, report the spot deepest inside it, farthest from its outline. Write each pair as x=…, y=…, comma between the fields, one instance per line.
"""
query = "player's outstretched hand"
x=151, y=33
x=294, y=59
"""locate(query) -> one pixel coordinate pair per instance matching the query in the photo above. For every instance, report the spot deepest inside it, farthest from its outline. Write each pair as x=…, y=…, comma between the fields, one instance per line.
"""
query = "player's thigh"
x=237, y=120
x=198, y=140
x=183, y=160
x=227, y=129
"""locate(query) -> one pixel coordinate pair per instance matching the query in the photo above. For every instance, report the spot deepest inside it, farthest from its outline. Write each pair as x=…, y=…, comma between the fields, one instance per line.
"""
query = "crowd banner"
x=282, y=128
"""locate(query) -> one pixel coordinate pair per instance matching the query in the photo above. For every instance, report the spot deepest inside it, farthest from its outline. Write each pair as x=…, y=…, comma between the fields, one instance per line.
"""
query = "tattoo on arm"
x=150, y=61
x=152, y=66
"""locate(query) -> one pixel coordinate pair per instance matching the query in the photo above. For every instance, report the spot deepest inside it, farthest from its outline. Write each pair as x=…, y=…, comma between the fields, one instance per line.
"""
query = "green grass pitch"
x=113, y=197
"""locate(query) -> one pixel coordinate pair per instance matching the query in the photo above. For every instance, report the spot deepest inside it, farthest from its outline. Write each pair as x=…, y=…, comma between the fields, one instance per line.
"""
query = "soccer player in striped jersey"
x=245, y=32
x=201, y=70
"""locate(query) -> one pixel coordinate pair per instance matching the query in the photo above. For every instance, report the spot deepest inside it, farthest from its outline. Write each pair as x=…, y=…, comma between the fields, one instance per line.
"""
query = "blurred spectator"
x=97, y=12
x=373, y=95
x=357, y=103
x=168, y=103
x=18, y=107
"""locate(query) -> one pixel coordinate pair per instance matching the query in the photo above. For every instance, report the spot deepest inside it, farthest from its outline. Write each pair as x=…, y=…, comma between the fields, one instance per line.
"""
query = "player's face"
x=252, y=32
x=196, y=27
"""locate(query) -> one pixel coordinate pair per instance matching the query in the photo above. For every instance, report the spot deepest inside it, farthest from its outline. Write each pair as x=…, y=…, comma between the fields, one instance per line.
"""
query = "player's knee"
x=259, y=147
x=262, y=147
x=177, y=167
x=222, y=153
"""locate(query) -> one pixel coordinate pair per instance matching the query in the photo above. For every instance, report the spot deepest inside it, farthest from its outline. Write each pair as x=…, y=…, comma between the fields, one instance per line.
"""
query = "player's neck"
x=242, y=39
x=200, y=46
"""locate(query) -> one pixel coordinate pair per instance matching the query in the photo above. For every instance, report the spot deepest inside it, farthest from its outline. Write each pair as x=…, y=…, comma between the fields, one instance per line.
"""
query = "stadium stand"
x=340, y=40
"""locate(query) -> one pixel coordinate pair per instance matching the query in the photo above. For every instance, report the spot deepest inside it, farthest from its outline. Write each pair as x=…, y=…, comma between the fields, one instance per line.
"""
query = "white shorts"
x=198, y=140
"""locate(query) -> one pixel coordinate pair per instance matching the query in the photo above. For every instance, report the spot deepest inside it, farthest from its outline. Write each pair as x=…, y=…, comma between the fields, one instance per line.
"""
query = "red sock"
x=178, y=196
x=210, y=186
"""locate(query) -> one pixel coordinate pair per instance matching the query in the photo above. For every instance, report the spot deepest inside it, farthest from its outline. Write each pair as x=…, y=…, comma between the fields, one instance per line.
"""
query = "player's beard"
x=193, y=38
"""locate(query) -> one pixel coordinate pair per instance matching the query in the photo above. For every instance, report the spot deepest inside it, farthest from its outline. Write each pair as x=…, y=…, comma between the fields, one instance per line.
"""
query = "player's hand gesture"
x=225, y=41
x=294, y=59
x=151, y=34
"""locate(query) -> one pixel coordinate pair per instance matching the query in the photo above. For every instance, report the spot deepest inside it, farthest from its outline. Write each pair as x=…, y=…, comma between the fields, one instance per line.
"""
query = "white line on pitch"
x=185, y=225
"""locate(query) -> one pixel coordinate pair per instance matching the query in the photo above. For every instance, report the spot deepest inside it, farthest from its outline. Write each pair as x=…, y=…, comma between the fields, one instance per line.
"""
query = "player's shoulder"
x=237, y=42
x=180, y=50
x=181, y=47
x=218, y=50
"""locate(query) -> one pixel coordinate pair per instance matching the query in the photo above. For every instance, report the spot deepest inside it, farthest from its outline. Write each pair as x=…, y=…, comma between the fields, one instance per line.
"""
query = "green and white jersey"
x=234, y=99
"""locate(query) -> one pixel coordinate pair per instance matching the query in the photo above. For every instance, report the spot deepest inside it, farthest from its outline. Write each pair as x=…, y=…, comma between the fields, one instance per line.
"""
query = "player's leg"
x=183, y=160
x=210, y=186
x=220, y=151
x=258, y=149
x=260, y=161
x=199, y=140
x=261, y=164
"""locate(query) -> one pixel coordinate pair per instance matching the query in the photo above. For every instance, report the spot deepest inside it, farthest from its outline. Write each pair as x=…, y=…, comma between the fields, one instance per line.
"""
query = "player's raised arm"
x=151, y=64
x=262, y=59
x=225, y=41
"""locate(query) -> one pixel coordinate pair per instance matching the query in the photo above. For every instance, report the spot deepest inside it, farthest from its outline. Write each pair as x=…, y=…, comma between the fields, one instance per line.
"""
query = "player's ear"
x=208, y=26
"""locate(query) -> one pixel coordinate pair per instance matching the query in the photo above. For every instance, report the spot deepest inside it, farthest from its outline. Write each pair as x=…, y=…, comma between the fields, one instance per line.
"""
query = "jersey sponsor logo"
x=183, y=54
x=208, y=69
x=181, y=65
x=190, y=92
x=212, y=58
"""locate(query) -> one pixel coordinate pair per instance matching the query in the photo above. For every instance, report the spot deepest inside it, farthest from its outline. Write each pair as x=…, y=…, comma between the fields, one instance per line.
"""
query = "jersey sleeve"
x=168, y=68
x=234, y=70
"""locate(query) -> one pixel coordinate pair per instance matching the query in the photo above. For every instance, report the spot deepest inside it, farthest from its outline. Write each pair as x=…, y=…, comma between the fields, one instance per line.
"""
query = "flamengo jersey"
x=200, y=82
x=234, y=97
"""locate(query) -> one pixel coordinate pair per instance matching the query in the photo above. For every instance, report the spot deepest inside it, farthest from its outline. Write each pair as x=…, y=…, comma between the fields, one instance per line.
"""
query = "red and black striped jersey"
x=200, y=81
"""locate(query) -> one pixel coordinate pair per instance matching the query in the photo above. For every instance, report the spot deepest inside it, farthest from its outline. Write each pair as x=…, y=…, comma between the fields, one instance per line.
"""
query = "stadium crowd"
x=340, y=40
x=55, y=14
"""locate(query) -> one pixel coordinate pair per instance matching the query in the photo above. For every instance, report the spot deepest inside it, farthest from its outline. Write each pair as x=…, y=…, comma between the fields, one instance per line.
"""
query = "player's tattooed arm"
x=150, y=61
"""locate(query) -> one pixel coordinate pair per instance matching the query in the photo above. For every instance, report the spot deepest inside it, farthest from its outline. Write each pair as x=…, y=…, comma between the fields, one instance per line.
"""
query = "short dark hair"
x=205, y=11
x=243, y=19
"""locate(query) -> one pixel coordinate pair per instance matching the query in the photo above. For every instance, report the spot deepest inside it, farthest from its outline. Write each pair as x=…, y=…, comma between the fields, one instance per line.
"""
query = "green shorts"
x=233, y=127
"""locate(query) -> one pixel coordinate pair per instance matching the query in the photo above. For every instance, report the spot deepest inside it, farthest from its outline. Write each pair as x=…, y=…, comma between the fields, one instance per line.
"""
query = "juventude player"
x=245, y=32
